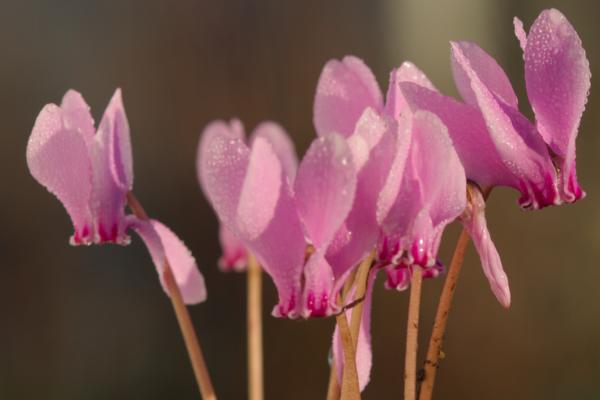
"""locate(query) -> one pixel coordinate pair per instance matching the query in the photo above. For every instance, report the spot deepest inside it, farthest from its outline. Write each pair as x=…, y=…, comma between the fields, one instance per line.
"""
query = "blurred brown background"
x=93, y=323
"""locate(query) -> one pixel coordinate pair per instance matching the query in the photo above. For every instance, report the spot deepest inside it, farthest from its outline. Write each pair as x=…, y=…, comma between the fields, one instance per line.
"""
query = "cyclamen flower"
x=496, y=143
x=252, y=195
x=415, y=211
x=346, y=89
x=91, y=173
x=234, y=255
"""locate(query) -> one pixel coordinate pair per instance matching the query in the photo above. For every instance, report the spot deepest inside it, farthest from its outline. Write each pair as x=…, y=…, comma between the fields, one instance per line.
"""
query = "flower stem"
x=350, y=389
x=183, y=317
x=412, y=334
x=254, y=321
x=333, y=388
x=362, y=276
x=189, y=337
x=441, y=317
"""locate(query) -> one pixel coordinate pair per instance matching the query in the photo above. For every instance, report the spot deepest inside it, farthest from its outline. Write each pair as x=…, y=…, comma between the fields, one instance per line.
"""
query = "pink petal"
x=486, y=68
x=468, y=131
x=557, y=76
x=234, y=253
x=58, y=159
x=111, y=164
x=364, y=354
x=520, y=33
x=522, y=150
x=474, y=221
x=280, y=250
x=121, y=159
x=391, y=188
x=76, y=115
x=443, y=182
x=408, y=72
x=325, y=187
x=373, y=145
x=344, y=90
x=260, y=190
x=222, y=162
x=282, y=145
x=164, y=246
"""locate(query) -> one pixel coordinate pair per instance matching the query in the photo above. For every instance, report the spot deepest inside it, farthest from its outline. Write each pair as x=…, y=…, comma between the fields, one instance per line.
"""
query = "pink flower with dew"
x=496, y=143
x=91, y=173
x=276, y=216
x=234, y=255
x=348, y=100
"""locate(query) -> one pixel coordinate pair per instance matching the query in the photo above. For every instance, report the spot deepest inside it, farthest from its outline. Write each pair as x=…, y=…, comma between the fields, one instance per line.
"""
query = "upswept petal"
x=325, y=187
x=395, y=103
x=282, y=145
x=557, y=77
x=280, y=250
x=442, y=183
x=76, y=115
x=486, y=68
x=344, y=90
x=222, y=162
x=520, y=33
x=121, y=159
x=389, y=193
x=364, y=354
x=110, y=153
x=522, y=150
x=260, y=190
x=58, y=159
x=234, y=253
x=165, y=247
x=372, y=144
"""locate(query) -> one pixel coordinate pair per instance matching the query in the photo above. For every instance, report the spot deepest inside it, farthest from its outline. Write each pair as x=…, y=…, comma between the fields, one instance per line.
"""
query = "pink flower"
x=91, y=173
x=496, y=143
x=407, y=205
x=430, y=194
x=276, y=214
x=419, y=189
x=234, y=254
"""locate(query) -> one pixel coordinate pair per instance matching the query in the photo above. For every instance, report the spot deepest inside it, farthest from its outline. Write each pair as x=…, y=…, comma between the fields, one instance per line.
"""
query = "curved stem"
x=441, y=317
x=412, y=335
x=254, y=322
x=183, y=317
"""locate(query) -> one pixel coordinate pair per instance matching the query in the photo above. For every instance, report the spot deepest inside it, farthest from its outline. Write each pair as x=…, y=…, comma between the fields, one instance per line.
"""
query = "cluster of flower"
x=384, y=177
x=394, y=173
x=391, y=174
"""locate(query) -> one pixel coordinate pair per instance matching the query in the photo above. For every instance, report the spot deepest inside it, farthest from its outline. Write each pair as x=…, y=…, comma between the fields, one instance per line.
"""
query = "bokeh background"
x=93, y=323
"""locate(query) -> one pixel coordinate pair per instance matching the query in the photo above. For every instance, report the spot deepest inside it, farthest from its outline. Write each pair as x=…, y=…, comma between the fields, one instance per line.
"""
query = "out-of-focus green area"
x=93, y=323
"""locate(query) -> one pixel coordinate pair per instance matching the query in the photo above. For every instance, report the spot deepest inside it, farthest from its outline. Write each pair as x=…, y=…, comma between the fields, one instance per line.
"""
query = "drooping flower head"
x=91, y=173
